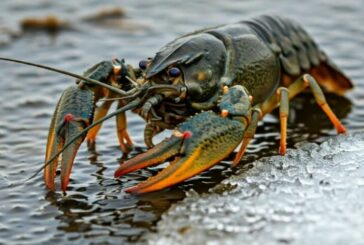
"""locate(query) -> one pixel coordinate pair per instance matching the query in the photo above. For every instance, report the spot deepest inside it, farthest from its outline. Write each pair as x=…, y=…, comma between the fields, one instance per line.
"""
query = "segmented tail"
x=298, y=52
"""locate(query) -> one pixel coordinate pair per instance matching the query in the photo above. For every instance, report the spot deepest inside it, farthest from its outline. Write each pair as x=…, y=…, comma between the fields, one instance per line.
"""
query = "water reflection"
x=103, y=209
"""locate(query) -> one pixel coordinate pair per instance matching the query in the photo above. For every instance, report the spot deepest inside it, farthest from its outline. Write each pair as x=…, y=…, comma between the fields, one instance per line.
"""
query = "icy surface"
x=313, y=195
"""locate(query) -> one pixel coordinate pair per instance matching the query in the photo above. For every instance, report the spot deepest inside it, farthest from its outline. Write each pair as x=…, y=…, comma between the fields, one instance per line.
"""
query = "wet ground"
x=95, y=209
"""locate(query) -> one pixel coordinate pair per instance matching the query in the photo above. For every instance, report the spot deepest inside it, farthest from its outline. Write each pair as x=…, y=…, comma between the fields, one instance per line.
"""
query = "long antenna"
x=92, y=81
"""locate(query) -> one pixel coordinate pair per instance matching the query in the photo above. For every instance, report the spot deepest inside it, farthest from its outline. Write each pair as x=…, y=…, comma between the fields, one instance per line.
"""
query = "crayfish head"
x=194, y=61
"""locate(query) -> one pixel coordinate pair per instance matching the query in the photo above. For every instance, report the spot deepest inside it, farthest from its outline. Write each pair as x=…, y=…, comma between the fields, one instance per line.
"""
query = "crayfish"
x=211, y=87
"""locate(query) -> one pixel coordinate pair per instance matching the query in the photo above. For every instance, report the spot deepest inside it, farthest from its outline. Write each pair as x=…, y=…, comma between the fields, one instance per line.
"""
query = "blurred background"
x=74, y=35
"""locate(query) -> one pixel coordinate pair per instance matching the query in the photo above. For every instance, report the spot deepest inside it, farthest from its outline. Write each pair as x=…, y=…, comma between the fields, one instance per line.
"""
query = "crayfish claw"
x=198, y=144
x=73, y=113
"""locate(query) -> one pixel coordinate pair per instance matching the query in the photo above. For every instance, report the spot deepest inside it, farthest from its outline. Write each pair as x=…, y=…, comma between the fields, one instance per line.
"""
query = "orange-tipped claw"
x=197, y=145
x=73, y=113
x=161, y=152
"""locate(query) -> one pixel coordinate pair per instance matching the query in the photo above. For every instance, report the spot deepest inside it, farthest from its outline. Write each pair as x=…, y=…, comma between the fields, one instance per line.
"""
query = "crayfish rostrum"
x=211, y=87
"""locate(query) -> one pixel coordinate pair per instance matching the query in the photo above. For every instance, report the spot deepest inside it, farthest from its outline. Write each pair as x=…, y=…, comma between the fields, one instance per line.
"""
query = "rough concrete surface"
x=313, y=195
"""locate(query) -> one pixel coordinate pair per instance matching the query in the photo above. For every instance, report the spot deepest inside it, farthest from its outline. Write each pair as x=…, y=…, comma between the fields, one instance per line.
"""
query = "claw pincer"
x=73, y=113
x=197, y=144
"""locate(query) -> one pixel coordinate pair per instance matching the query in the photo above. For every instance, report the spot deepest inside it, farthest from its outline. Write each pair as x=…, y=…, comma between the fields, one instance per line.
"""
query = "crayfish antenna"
x=89, y=80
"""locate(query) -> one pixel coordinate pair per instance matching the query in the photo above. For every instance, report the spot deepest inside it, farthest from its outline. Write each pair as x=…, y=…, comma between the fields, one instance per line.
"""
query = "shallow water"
x=95, y=209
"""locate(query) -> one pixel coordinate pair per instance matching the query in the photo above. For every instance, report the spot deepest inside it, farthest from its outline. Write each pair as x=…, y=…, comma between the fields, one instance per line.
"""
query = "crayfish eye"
x=143, y=64
x=174, y=72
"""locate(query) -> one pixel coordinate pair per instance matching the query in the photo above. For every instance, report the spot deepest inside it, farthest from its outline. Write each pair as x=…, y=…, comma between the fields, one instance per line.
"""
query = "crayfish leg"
x=125, y=141
x=282, y=92
x=100, y=112
x=308, y=81
x=286, y=94
x=321, y=101
x=248, y=135
x=149, y=132
x=126, y=144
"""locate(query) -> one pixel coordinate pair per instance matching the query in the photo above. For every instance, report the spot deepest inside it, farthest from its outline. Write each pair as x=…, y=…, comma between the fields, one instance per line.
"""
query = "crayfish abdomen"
x=298, y=53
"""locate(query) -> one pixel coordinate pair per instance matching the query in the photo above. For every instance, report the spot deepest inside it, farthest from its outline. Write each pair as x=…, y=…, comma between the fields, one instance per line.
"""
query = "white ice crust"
x=312, y=195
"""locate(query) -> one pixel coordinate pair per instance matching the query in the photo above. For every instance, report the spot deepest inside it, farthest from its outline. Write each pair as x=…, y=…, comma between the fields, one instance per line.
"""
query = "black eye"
x=143, y=64
x=174, y=72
